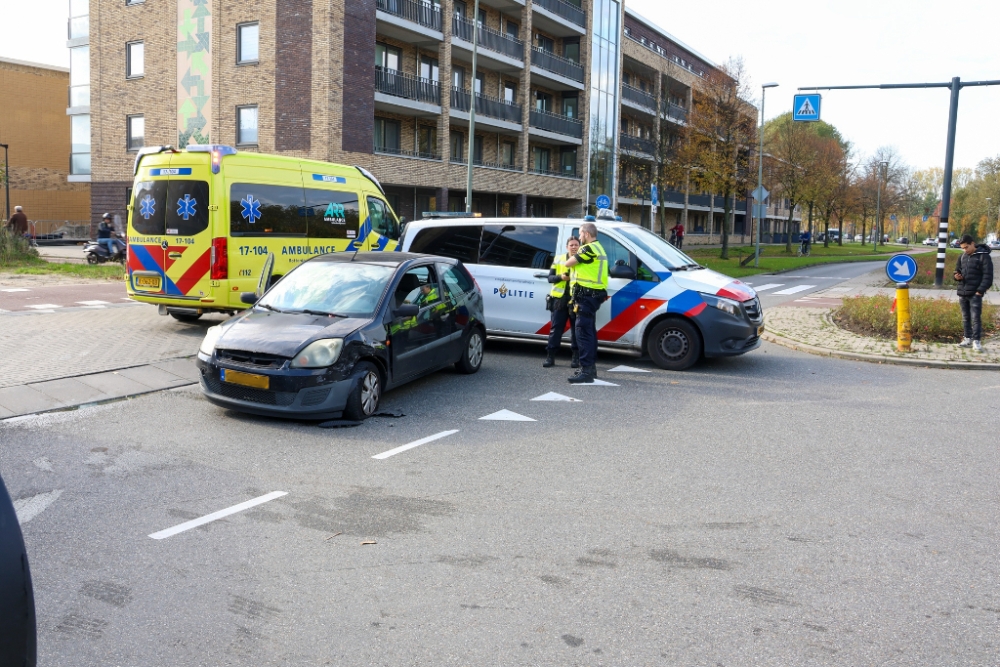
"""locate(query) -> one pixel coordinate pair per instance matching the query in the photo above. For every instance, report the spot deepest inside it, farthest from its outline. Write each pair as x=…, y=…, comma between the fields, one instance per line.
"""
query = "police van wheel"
x=472, y=353
x=367, y=393
x=674, y=345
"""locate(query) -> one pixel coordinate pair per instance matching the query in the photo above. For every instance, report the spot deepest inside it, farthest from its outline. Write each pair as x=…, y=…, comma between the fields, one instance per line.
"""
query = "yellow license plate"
x=151, y=282
x=760, y=329
x=246, y=379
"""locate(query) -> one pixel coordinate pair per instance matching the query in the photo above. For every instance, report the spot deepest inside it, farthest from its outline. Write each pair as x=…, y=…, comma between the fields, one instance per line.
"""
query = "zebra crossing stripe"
x=768, y=286
x=796, y=289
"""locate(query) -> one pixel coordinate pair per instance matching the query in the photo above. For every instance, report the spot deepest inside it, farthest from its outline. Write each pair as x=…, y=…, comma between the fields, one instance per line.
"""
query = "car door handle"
x=541, y=275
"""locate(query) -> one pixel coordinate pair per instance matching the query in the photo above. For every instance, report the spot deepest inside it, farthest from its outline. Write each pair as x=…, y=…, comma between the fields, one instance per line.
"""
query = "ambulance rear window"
x=175, y=208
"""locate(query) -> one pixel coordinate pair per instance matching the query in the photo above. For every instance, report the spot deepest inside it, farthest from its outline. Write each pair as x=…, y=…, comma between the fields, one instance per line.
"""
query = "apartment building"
x=560, y=88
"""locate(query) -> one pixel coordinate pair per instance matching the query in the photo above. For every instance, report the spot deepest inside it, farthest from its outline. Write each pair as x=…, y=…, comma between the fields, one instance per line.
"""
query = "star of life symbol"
x=147, y=207
x=186, y=207
x=251, y=209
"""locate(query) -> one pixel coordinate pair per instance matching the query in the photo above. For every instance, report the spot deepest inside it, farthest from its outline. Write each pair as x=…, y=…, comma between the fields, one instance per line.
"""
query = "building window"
x=458, y=77
x=543, y=101
x=507, y=154
x=80, y=145
x=541, y=159
x=429, y=68
x=79, y=19
x=571, y=49
x=509, y=92
x=79, y=76
x=546, y=44
x=134, y=60
x=571, y=105
x=513, y=30
x=246, y=125
x=387, y=135
x=427, y=141
x=477, y=149
x=457, y=146
x=387, y=57
x=247, y=43
x=135, y=131
x=567, y=161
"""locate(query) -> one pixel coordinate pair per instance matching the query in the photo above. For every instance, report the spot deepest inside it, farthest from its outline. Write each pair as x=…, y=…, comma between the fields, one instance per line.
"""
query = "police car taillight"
x=220, y=259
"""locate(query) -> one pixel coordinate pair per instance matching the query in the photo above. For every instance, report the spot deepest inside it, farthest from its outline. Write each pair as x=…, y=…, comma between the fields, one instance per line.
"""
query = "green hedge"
x=15, y=250
x=931, y=320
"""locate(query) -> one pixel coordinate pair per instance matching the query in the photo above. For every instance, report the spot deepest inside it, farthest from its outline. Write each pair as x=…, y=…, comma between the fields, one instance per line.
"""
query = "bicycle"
x=803, y=249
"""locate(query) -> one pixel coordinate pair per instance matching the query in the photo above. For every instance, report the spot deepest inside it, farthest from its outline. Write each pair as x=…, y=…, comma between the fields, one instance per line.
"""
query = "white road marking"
x=44, y=306
x=597, y=383
x=415, y=443
x=27, y=509
x=553, y=396
x=15, y=289
x=768, y=286
x=42, y=312
x=507, y=415
x=93, y=307
x=4, y=311
x=628, y=369
x=794, y=290
x=93, y=303
x=215, y=516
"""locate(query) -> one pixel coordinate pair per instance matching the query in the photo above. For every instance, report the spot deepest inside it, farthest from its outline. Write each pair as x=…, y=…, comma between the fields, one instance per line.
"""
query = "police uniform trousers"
x=559, y=318
x=586, y=328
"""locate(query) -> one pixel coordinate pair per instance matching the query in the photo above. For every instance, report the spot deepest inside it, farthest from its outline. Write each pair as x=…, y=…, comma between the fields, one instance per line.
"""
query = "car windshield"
x=330, y=288
x=658, y=249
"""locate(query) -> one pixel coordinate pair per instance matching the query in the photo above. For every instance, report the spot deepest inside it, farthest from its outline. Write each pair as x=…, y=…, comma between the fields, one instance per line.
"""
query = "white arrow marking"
x=27, y=509
x=597, y=383
x=553, y=396
x=900, y=268
x=628, y=369
x=507, y=415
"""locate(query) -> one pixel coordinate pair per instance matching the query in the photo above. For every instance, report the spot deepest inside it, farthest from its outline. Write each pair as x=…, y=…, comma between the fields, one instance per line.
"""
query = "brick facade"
x=358, y=111
x=293, y=75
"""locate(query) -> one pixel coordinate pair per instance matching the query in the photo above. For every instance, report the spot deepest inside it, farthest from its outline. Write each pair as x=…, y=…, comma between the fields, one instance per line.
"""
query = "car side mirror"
x=622, y=271
x=249, y=298
x=406, y=310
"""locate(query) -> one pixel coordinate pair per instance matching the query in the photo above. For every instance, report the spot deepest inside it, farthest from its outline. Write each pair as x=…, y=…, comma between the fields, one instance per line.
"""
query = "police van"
x=661, y=302
x=203, y=220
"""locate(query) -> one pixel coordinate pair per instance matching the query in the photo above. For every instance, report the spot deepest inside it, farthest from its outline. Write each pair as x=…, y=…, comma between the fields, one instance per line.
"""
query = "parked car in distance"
x=857, y=238
x=955, y=244
x=930, y=241
x=335, y=332
x=994, y=245
x=903, y=240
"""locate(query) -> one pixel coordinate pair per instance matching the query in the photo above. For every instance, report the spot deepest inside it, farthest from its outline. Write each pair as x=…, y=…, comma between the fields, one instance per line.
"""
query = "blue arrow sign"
x=603, y=201
x=901, y=268
x=806, y=107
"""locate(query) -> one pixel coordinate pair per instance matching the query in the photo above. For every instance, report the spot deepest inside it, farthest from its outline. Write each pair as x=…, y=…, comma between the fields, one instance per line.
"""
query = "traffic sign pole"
x=903, y=336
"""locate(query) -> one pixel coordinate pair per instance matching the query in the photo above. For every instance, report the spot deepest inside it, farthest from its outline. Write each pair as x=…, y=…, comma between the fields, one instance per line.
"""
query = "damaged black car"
x=333, y=334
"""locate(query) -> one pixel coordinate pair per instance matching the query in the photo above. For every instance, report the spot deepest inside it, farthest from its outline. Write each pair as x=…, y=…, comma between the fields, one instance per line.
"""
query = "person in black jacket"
x=974, y=274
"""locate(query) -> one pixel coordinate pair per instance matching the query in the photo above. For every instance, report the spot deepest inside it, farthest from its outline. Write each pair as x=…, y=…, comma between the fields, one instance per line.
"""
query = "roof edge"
x=26, y=63
x=666, y=35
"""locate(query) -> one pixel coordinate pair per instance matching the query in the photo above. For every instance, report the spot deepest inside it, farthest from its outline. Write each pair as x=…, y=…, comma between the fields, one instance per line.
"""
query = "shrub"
x=931, y=320
x=15, y=250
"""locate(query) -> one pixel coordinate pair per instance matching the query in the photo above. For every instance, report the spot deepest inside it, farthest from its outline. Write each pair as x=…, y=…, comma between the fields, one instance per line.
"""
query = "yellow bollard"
x=903, y=338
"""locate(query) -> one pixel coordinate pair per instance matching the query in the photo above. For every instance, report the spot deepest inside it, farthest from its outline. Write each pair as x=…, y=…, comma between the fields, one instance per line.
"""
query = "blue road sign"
x=806, y=107
x=901, y=268
x=655, y=196
x=603, y=201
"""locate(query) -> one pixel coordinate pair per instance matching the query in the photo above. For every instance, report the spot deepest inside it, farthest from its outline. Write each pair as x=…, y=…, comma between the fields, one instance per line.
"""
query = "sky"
x=800, y=43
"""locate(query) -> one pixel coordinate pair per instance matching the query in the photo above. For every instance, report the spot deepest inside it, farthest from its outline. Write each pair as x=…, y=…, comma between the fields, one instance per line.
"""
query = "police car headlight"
x=728, y=306
x=319, y=354
x=212, y=337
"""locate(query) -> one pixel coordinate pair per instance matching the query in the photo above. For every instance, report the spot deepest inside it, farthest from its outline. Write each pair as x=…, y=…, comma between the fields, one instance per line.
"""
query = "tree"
x=790, y=146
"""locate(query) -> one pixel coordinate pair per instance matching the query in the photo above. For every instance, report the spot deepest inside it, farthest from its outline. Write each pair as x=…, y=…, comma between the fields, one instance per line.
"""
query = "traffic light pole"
x=955, y=85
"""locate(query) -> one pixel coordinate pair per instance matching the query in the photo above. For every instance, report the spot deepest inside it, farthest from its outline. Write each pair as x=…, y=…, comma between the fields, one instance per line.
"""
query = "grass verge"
x=17, y=257
x=774, y=258
x=931, y=320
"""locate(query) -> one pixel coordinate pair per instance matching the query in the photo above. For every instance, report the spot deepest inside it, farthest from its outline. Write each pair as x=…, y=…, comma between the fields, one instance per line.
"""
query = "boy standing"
x=974, y=274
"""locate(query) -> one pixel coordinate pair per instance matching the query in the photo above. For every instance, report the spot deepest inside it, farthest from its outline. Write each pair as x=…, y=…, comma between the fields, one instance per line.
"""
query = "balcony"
x=554, y=71
x=490, y=111
x=79, y=97
x=496, y=50
x=556, y=127
x=636, y=146
x=407, y=94
x=411, y=21
x=675, y=112
x=559, y=17
x=545, y=171
x=392, y=150
x=638, y=99
x=483, y=163
x=78, y=27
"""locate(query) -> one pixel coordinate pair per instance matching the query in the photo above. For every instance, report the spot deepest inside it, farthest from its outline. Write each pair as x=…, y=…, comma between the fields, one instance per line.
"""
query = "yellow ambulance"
x=203, y=220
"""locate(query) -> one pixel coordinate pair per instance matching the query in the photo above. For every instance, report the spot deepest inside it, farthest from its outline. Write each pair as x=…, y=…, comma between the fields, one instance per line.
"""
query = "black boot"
x=575, y=363
x=586, y=375
x=550, y=359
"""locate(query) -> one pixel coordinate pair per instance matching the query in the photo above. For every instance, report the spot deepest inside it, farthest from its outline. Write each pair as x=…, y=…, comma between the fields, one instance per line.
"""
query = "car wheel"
x=472, y=353
x=674, y=345
x=364, y=399
x=186, y=319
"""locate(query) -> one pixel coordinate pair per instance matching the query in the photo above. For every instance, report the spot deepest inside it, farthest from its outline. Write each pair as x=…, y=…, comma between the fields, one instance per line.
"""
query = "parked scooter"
x=97, y=253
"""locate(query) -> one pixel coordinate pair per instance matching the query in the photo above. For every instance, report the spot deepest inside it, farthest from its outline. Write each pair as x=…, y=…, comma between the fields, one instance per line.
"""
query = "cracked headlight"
x=319, y=354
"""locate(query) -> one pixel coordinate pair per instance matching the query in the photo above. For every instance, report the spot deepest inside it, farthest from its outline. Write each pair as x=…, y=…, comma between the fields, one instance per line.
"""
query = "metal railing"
x=554, y=122
x=557, y=64
x=675, y=111
x=411, y=87
x=542, y=171
x=423, y=13
x=659, y=50
x=485, y=163
x=391, y=150
x=54, y=232
x=490, y=107
x=636, y=144
x=640, y=97
x=490, y=39
x=571, y=13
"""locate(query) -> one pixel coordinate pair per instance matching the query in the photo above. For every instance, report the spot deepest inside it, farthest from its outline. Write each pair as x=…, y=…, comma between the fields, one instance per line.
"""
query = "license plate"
x=760, y=329
x=151, y=282
x=245, y=379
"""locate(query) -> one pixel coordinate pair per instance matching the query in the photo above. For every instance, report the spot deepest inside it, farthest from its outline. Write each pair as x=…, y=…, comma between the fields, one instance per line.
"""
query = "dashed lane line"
x=15, y=289
x=215, y=516
x=44, y=306
x=93, y=303
x=415, y=443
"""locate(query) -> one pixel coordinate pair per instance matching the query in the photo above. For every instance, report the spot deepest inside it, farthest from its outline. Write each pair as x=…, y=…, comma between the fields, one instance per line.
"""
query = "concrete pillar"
x=442, y=199
x=522, y=206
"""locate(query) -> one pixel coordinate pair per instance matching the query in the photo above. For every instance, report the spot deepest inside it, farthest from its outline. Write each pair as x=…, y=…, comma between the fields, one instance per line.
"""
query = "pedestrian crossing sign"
x=806, y=107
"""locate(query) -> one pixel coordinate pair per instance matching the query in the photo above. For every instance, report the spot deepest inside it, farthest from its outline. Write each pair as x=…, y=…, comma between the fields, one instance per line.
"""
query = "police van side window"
x=459, y=242
x=266, y=210
x=186, y=210
x=519, y=246
x=148, y=201
x=617, y=252
x=332, y=215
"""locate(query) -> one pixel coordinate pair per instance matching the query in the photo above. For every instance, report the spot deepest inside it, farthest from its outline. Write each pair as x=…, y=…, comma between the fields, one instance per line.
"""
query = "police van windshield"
x=660, y=250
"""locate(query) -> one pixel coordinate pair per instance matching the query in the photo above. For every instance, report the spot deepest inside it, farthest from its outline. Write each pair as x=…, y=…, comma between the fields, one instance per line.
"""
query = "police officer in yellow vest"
x=558, y=302
x=590, y=290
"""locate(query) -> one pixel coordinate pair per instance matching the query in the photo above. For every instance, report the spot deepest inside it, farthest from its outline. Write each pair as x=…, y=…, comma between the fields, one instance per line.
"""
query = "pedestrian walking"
x=560, y=305
x=590, y=290
x=18, y=223
x=677, y=234
x=974, y=275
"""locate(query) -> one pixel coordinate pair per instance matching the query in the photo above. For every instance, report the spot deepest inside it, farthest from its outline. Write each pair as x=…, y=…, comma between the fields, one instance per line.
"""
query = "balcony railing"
x=571, y=13
x=395, y=83
x=553, y=122
x=490, y=107
x=675, y=111
x=547, y=171
x=392, y=150
x=490, y=39
x=422, y=13
x=79, y=96
x=483, y=163
x=557, y=64
x=640, y=97
x=78, y=26
x=636, y=144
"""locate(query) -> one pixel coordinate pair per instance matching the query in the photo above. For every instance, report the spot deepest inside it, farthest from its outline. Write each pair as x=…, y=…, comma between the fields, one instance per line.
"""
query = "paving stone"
x=154, y=377
x=70, y=391
x=25, y=400
x=184, y=368
x=115, y=384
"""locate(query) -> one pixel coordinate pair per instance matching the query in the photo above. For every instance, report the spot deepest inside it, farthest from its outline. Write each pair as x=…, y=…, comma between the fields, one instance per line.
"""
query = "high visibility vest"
x=593, y=275
x=559, y=266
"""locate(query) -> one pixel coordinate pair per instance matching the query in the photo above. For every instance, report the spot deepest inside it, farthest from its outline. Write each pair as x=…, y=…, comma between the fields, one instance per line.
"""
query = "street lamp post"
x=6, y=176
x=759, y=205
x=472, y=109
x=988, y=200
x=877, y=231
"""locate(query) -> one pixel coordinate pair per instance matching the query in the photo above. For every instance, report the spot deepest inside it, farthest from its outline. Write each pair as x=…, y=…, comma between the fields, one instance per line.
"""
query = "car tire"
x=674, y=344
x=186, y=319
x=364, y=399
x=472, y=353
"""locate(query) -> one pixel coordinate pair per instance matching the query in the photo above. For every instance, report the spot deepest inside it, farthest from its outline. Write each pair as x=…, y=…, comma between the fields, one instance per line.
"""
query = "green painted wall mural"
x=194, y=72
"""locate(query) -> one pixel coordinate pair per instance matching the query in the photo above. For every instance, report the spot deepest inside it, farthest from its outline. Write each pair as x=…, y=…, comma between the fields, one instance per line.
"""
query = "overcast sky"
x=799, y=43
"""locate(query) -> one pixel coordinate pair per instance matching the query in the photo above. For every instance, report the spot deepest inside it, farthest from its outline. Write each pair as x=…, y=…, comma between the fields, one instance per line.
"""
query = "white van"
x=661, y=302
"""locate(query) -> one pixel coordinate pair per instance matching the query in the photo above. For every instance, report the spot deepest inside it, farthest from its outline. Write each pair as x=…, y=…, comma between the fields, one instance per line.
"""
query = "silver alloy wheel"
x=674, y=344
x=370, y=391
x=475, y=351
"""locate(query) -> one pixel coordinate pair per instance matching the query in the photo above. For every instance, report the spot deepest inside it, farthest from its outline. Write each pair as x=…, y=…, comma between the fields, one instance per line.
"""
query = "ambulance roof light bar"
x=217, y=151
